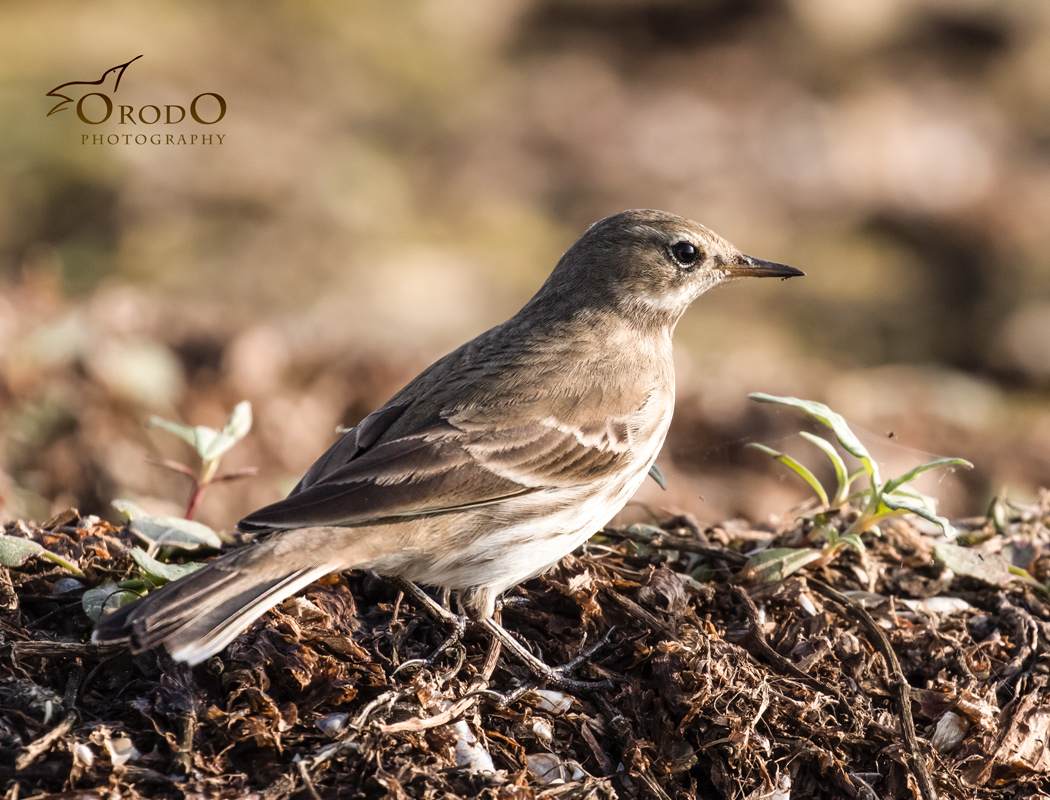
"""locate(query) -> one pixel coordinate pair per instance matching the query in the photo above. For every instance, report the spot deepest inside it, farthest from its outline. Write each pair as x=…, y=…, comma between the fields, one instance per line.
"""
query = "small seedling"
x=111, y=596
x=167, y=532
x=878, y=501
x=164, y=534
x=210, y=444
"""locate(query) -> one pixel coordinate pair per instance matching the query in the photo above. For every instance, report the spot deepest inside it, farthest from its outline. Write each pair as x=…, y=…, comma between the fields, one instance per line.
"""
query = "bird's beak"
x=748, y=267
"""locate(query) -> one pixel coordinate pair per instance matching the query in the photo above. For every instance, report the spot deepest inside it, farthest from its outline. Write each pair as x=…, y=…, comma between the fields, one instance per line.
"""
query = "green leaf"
x=160, y=572
x=854, y=540
x=167, y=530
x=776, y=564
x=991, y=568
x=911, y=475
x=820, y=412
x=658, y=476
x=130, y=509
x=182, y=431
x=209, y=443
x=15, y=551
x=212, y=443
x=107, y=597
x=898, y=502
x=175, y=532
x=841, y=474
x=797, y=467
x=651, y=531
x=909, y=493
x=239, y=422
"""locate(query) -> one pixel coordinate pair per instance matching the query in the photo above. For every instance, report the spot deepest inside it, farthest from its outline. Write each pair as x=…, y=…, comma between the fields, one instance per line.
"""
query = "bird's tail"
x=197, y=615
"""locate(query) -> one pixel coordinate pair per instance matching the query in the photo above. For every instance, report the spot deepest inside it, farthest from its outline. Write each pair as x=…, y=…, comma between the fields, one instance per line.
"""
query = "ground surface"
x=731, y=686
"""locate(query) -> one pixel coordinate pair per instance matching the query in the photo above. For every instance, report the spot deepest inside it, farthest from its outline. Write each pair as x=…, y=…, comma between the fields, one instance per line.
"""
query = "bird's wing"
x=468, y=458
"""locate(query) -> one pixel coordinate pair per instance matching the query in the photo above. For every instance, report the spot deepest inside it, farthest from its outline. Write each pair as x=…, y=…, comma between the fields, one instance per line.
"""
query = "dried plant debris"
x=894, y=672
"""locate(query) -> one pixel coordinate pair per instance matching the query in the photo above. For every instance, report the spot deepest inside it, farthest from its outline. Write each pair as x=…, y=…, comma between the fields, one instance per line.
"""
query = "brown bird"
x=493, y=463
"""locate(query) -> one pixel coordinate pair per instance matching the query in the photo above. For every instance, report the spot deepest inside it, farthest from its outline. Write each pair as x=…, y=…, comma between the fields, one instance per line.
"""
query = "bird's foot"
x=557, y=676
x=459, y=628
x=591, y=651
x=458, y=623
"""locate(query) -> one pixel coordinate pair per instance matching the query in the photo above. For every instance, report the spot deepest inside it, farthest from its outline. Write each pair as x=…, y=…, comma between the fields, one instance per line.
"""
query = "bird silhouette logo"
x=65, y=99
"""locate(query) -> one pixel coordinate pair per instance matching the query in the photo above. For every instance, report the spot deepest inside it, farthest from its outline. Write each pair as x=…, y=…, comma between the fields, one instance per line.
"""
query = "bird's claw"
x=501, y=699
x=557, y=676
x=591, y=651
x=460, y=627
x=511, y=602
x=412, y=664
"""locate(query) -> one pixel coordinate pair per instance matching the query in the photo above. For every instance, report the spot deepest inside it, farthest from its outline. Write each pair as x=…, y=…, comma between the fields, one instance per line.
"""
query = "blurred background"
x=396, y=177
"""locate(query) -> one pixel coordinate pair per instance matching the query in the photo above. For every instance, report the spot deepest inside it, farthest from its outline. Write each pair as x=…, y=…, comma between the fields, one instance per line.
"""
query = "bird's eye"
x=685, y=253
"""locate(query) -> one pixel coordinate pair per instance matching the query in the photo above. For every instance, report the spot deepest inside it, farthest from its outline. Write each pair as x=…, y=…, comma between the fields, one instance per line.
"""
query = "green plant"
x=210, y=445
x=112, y=595
x=15, y=551
x=163, y=535
x=879, y=500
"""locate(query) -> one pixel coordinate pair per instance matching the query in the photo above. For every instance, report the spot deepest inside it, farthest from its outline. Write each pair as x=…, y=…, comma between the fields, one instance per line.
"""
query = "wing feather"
x=459, y=462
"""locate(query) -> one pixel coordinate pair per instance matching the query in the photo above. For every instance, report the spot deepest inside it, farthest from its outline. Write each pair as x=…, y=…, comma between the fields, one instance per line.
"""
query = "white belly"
x=523, y=537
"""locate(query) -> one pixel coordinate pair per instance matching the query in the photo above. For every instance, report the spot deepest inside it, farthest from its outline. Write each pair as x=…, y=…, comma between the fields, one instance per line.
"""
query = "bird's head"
x=651, y=265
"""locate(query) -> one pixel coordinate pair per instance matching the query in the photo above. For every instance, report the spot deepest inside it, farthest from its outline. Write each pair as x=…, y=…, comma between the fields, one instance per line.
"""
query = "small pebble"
x=63, y=585
x=332, y=724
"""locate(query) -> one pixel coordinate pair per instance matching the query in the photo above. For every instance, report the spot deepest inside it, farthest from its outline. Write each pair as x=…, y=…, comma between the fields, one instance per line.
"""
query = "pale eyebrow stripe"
x=646, y=229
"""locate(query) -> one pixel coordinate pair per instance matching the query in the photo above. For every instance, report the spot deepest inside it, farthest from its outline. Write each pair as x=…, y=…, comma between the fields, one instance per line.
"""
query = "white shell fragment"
x=807, y=604
x=938, y=605
x=951, y=729
x=469, y=752
x=552, y=701
x=542, y=730
x=332, y=724
x=121, y=750
x=82, y=754
x=549, y=769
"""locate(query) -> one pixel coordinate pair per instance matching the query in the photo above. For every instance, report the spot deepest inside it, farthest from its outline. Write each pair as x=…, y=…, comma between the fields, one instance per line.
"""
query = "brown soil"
x=880, y=675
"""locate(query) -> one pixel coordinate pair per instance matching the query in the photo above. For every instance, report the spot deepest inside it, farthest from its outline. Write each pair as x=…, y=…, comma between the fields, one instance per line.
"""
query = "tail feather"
x=203, y=638
x=198, y=615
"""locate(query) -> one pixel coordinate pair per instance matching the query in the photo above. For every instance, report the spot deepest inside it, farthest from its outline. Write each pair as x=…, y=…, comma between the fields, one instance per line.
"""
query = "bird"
x=493, y=463
x=117, y=70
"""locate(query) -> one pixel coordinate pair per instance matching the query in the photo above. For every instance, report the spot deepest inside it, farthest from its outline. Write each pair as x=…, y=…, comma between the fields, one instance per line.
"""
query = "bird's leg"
x=511, y=602
x=458, y=622
x=554, y=675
